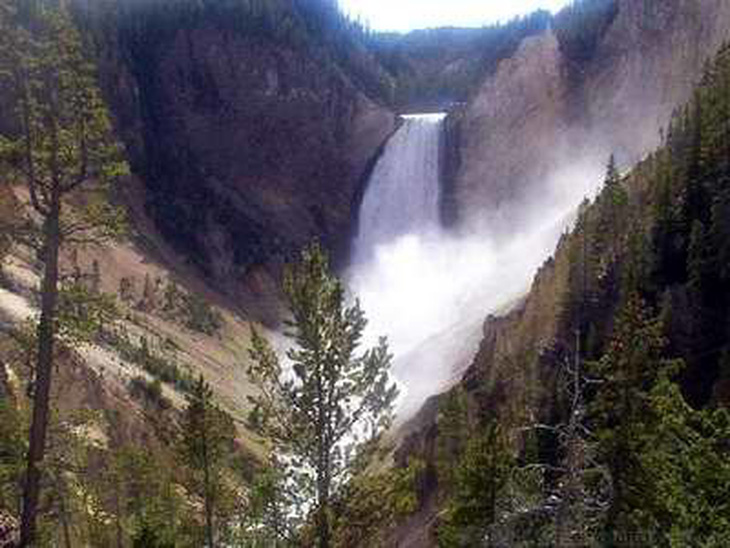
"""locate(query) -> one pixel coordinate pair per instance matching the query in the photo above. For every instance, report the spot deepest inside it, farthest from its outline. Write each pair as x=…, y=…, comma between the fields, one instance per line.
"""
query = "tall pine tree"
x=332, y=395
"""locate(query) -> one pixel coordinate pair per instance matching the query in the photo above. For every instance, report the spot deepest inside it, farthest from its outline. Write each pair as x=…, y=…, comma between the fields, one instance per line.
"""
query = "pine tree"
x=612, y=205
x=208, y=435
x=9, y=218
x=332, y=394
x=149, y=496
x=13, y=446
x=266, y=518
x=628, y=370
x=689, y=460
x=481, y=477
x=699, y=263
x=66, y=141
x=452, y=435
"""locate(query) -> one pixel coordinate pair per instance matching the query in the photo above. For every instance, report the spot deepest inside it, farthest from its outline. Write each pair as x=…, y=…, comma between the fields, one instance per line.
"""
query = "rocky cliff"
x=250, y=134
x=547, y=109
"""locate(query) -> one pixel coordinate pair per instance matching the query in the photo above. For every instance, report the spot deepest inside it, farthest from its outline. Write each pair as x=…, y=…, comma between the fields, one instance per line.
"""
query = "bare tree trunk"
x=44, y=370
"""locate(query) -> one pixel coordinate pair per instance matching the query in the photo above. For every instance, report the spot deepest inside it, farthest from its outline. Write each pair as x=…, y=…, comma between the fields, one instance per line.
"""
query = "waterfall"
x=399, y=266
x=403, y=193
x=429, y=290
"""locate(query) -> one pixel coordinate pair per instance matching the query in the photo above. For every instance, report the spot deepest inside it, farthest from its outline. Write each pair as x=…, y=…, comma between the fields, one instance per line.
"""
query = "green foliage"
x=612, y=212
x=67, y=141
x=155, y=359
x=206, y=446
x=699, y=261
x=148, y=537
x=630, y=368
x=266, y=519
x=83, y=313
x=371, y=504
x=481, y=477
x=659, y=431
x=190, y=309
x=172, y=297
x=147, y=495
x=201, y=316
x=13, y=446
x=67, y=136
x=207, y=431
x=689, y=461
x=149, y=391
x=9, y=218
x=315, y=412
x=689, y=235
x=453, y=427
x=434, y=67
x=318, y=27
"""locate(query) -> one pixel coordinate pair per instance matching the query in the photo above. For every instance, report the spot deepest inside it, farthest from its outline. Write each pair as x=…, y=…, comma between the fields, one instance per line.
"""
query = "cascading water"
x=429, y=290
x=399, y=223
x=403, y=194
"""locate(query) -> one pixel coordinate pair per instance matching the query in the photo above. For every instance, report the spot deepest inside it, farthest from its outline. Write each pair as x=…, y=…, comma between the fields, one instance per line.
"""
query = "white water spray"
x=429, y=290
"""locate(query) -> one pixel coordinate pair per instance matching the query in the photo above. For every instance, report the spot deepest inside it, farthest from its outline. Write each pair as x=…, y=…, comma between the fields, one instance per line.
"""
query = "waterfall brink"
x=403, y=196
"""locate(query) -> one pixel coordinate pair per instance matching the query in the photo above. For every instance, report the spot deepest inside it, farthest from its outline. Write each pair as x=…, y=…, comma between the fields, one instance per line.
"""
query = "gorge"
x=506, y=203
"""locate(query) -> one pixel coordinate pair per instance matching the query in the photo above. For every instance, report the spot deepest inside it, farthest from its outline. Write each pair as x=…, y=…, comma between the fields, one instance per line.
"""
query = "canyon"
x=443, y=171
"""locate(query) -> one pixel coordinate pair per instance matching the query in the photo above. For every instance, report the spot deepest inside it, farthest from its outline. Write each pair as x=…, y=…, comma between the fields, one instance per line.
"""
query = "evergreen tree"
x=612, y=206
x=453, y=427
x=267, y=519
x=481, y=477
x=720, y=234
x=207, y=441
x=149, y=496
x=373, y=503
x=689, y=460
x=629, y=369
x=13, y=446
x=332, y=395
x=66, y=141
x=9, y=218
x=698, y=263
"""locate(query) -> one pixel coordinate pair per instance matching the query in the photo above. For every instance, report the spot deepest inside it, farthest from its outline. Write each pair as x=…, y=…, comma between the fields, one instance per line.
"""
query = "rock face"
x=249, y=144
x=542, y=111
x=515, y=115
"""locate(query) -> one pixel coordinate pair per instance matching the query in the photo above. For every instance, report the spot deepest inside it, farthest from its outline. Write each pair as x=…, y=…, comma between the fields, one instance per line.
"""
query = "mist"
x=429, y=290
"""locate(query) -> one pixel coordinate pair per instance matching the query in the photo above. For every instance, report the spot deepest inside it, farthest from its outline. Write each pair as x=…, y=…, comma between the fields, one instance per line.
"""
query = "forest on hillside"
x=629, y=440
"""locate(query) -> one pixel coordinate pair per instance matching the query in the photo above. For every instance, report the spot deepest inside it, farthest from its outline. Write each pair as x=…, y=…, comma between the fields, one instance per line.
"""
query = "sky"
x=404, y=15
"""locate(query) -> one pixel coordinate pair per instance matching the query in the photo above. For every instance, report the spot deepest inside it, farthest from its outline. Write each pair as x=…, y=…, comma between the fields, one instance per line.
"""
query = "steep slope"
x=650, y=250
x=247, y=124
x=120, y=395
x=549, y=108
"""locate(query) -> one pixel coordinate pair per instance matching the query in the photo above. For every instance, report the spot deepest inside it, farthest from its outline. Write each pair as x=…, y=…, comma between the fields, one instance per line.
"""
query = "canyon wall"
x=545, y=112
x=250, y=138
